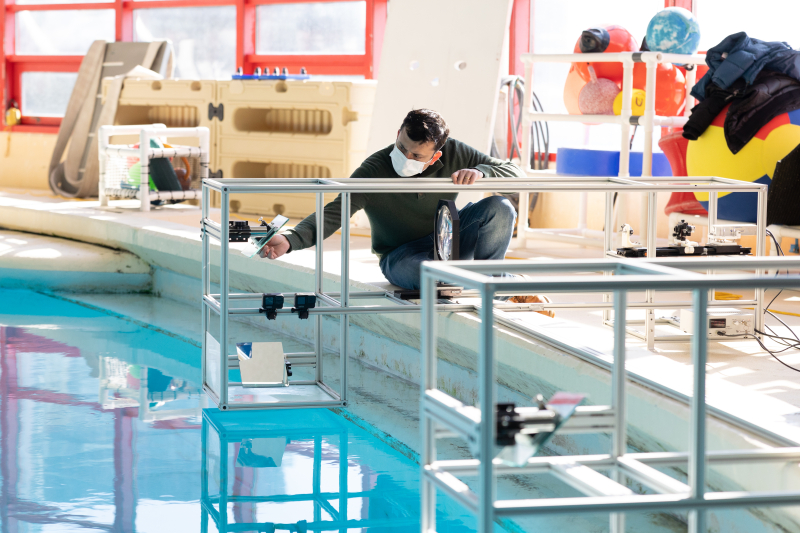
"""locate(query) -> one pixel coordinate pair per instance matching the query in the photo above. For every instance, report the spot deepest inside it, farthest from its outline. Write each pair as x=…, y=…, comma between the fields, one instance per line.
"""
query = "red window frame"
x=12, y=66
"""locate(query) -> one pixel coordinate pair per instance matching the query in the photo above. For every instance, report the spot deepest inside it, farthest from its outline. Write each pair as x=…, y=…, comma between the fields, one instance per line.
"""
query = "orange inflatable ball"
x=670, y=87
x=572, y=91
x=609, y=40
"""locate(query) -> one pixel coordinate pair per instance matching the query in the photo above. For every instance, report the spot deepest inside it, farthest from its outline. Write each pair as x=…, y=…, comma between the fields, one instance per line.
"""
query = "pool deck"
x=742, y=380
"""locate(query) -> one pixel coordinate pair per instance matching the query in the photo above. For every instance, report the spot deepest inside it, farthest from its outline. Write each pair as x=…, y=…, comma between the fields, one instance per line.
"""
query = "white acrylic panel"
x=434, y=37
x=212, y=377
x=265, y=366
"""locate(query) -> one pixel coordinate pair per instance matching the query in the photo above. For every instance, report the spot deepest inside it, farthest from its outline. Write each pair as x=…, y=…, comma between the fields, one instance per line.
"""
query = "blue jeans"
x=485, y=233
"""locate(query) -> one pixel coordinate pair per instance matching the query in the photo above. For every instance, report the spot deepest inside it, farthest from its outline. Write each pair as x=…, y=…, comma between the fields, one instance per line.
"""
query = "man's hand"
x=276, y=247
x=466, y=176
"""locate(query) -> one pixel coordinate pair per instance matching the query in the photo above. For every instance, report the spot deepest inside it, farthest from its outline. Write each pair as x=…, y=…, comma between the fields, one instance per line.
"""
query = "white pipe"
x=638, y=57
x=625, y=119
x=144, y=167
x=103, y=144
x=563, y=117
x=649, y=115
x=669, y=122
x=524, y=197
x=691, y=80
x=602, y=119
x=647, y=155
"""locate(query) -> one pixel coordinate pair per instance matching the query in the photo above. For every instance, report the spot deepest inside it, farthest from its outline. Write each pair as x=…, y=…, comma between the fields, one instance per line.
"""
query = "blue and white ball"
x=673, y=30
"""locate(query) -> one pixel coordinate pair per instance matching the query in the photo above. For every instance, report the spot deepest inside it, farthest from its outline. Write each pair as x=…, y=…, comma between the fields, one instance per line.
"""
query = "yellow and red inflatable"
x=709, y=156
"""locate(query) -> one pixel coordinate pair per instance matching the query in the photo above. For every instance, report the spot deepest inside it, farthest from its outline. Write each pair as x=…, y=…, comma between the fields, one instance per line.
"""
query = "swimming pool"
x=102, y=427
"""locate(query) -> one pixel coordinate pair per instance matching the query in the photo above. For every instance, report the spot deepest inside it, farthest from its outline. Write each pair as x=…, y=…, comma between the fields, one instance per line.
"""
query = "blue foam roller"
x=586, y=162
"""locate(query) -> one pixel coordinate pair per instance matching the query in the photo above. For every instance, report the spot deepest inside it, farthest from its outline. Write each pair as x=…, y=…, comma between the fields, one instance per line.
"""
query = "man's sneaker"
x=534, y=299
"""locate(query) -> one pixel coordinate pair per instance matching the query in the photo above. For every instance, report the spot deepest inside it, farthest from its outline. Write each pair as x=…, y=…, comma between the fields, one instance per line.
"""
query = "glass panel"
x=212, y=377
x=556, y=27
x=204, y=38
x=68, y=32
x=46, y=94
x=313, y=28
x=720, y=18
x=212, y=453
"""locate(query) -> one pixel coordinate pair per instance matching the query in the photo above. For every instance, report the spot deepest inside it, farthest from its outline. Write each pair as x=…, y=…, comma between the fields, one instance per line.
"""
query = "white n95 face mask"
x=403, y=166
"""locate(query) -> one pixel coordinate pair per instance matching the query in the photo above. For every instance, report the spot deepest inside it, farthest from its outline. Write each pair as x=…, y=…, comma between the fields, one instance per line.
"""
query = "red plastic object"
x=674, y=147
x=621, y=40
x=670, y=87
x=572, y=90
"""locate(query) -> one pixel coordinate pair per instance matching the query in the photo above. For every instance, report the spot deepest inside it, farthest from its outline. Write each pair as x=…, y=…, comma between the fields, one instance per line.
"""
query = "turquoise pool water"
x=103, y=427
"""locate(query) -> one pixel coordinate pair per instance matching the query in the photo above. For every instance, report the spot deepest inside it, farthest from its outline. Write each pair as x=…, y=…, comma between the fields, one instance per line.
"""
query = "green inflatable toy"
x=135, y=176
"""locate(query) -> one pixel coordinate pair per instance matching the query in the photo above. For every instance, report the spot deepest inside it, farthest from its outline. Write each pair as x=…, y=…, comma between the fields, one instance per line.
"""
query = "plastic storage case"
x=292, y=205
x=291, y=129
x=262, y=129
x=174, y=103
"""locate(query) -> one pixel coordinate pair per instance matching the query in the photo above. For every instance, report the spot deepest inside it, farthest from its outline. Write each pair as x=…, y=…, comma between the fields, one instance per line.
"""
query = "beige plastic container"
x=287, y=204
x=176, y=103
x=269, y=129
x=328, y=120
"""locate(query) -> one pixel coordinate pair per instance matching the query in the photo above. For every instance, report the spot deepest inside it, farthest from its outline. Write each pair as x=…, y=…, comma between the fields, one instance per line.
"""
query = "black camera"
x=303, y=301
x=238, y=231
x=682, y=231
x=270, y=303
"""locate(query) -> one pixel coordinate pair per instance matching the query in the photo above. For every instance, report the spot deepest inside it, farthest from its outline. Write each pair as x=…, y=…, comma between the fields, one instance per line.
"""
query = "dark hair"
x=425, y=125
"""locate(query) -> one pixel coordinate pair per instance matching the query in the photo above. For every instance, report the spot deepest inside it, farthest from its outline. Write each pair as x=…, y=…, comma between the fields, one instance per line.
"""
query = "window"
x=204, y=38
x=64, y=32
x=46, y=94
x=211, y=38
x=56, y=2
x=720, y=18
x=314, y=28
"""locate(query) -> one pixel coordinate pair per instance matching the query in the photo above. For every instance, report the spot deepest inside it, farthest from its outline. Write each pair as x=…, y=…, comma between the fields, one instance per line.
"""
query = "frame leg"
x=697, y=429
x=618, y=400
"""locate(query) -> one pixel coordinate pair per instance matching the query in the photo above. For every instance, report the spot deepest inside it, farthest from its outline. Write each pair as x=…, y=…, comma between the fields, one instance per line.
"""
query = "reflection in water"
x=102, y=428
x=304, y=470
x=68, y=455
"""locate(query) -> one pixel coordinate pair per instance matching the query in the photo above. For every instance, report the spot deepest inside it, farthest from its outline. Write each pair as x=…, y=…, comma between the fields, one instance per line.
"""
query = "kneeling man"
x=402, y=223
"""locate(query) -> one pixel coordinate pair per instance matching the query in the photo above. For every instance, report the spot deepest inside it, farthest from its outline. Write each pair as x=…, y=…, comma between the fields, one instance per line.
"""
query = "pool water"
x=103, y=426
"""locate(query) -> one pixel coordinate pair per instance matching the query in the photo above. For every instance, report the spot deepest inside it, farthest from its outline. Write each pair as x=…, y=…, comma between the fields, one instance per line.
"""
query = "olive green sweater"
x=399, y=218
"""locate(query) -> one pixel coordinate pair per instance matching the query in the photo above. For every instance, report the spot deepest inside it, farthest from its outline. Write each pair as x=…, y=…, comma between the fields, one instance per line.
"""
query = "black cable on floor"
x=763, y=346
x=789, y=343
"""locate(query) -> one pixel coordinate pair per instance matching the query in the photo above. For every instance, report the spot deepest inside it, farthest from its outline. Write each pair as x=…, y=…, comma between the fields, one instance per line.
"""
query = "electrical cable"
x=764, y=347
x=789, y=343
x=539, y=134
x=540, y=131
x=545, y=130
